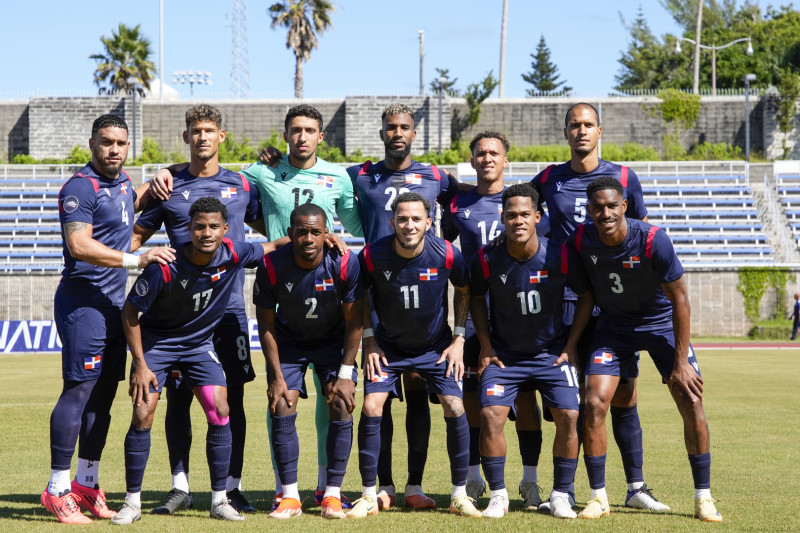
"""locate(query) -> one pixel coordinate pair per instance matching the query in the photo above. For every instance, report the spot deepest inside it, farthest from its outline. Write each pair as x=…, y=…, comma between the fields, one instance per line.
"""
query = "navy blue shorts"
x=324, y=361
x=92, y=340
x=558, y=385
x=196, y=369
x=615, y=351
x=390, y=379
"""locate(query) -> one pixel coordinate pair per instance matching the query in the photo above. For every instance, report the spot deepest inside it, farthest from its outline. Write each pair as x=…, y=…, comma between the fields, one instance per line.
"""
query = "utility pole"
x=421, y=62
x=502, y=87
x=698, y=27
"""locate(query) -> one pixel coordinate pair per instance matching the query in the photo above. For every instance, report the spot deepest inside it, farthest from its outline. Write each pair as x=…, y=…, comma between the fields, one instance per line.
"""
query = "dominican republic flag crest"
x=90, y=363
x=324, y=285
x=228, y=192
x=631, y=262
x=416, y=179
x=495, y=390
x=538, y=276
x=603, y=358
x=218, y=274
x=124, y=188
x=325, y=181
x=428, y=274
x=380, y=377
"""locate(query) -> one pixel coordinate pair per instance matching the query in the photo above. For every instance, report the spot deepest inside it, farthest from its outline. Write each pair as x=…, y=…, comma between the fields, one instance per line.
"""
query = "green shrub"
x=24, y=159
x=715, y=152
x=629, y=152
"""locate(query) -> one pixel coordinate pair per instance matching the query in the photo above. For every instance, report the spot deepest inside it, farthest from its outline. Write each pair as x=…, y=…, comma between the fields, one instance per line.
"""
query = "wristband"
x=459, y=331
x=367, y=333
x=130, y=261
x=345, y=371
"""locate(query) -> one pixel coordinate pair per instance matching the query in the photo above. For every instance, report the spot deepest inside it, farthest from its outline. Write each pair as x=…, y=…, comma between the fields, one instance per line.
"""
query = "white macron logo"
x=503, y=278
x=559, y=184
x=594, y=259
x=388, y=274
x=466, y=213
x=289, y=286
x=377, y=177
x=185, y=194
x=184, y=282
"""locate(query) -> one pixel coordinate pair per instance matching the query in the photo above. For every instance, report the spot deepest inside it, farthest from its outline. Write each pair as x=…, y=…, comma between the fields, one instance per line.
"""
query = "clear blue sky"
x=373, y=47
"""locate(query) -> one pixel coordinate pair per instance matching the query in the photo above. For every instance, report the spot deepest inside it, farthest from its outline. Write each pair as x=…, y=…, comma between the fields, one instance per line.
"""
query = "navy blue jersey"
x=475, y=218
x=526, y=297
x=309, y=301
x=182, y=303
x=376, y=188
x=626, y=279
x=410, y=295
x=107, y=205
x=231, y=188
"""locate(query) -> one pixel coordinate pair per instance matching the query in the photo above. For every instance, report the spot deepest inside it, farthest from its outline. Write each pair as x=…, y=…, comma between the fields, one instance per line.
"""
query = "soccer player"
x=96, y=207
x=638, y=285
x=181, y=305
x=412, y=269
x=527, y=342
x=318, y=320
x=204, y=177
x=475, y=217
x=563, y=188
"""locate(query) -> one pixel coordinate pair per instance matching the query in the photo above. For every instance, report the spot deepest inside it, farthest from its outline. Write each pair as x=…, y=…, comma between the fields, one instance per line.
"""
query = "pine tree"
x=544, y=76
x=448, y=85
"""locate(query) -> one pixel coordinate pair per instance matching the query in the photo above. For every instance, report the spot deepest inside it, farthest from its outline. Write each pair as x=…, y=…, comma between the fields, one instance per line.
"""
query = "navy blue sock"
x=238, y=429
x=474, y=446
x=596, y=470
x=218, y=452
x=494, y=469
x=581, y=420
x=530, y=446
x=286, y=446
x=564, y=473
x=628, y=434
x=96, y=419
x=458, y=448
x=178, y=426
x=65, y=422
x=418, y=431
x=340, y=440
x=385, y=454
x=369, y=446
x=701, y=470
x=137, y=451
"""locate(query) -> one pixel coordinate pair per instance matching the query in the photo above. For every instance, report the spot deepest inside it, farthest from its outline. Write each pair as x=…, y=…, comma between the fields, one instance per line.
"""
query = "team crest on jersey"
x=428, y=274
x=603, y=358
x=503, y=278
x=289, y=286
x=141, y=287
x=414, y=179
x=388, y=274
x=183, y=283
x=539, y=276
x=559, y=184
x=228, y=192
x=185, y=195
x=70, y=204
x=380, y=377
x=632, y=262
x=324, y=285
x=325, y=181
x=218, y=274
x=90, y=363
x=495, y=390
x=466, y=213
x=594, y=259
x=124, y=188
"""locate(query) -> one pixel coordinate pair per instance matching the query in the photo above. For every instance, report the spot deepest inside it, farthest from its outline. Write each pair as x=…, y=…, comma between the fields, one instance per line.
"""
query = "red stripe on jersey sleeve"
x=436, y=173
x=454, y=205
x=484, y=263
x=229, y=243
x=648, y=249
x=448, y=257
x=94, y=184
x=546, y=173
x=343, y=266
x=368, y=258
x=623, y=176
x=564, y=259
x=245, y=183
x=579, y=238
x=364, y=167
x=166, y=273
x=270, y=269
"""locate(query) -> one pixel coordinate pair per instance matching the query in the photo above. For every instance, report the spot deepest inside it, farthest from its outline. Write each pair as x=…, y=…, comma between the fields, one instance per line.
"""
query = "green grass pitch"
x=751, y=403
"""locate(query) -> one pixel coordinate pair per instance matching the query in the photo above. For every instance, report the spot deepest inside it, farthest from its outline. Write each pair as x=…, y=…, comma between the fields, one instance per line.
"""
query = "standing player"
x=638, y=284
x=318, y=320
x=181, y=305
x=563, y=188
x=527, y=342
x=96, y=207
x=204, y=177
x=475, y=216
x=414, y=268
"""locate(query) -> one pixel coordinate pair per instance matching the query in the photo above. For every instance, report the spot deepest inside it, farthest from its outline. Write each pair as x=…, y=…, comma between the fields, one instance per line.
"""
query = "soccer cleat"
x=544, y=507
x=642, y=498
x=223, y=510
x=420, y=501
x=239, y=502
x=332, y=508
x=288, y=508
x=561, y=506
x=386, y=497
x=92, y=500
x=319, y=495
x=530, y=494
x=464, y=506
x=363, y=507
x=596, y=508
x=276, y=501
x=497, y=508
x=175, y=500
x=705, y=510
x=475, y=489
x=65, y=508
x=127, y=515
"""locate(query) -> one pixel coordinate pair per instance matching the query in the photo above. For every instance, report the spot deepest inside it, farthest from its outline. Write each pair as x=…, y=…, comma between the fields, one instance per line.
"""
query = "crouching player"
x=181, y=304
x=522, y=338
x=638, y=285
x=318, y=321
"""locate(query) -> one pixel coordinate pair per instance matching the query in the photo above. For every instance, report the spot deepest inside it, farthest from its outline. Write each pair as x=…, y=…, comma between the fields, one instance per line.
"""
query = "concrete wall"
x=14, y=128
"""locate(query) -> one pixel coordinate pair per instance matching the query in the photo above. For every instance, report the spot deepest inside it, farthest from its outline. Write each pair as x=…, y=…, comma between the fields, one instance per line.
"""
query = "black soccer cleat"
x=176, y=500
x=239, y=502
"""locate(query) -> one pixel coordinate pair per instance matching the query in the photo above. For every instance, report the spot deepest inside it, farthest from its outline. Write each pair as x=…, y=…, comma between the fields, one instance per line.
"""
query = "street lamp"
x=133, y=83
x=714, y=49
x=747, y=79
x=191, y=77
x=441, y=81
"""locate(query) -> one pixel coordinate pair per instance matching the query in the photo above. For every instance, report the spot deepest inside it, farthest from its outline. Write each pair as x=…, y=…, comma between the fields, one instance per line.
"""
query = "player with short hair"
x=96, y=206
x=318, y=321
x=181, y=304
x=563, y=188
x=475, y=217
x=527, y=342
x=414, y=268
x=638, y=285
x=205, y=177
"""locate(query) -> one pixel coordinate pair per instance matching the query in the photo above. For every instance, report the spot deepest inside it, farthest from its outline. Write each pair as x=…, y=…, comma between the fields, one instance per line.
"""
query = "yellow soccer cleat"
x=596, y=508
x=705, y=510
x=464, y=506
x=363, y=507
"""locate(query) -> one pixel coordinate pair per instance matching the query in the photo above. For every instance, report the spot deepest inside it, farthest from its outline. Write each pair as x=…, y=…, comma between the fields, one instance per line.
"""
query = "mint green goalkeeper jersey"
x=283, y=188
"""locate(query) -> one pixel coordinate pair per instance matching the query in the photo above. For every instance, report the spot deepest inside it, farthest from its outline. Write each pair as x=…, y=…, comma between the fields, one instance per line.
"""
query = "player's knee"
x=452, y=406
x=216, y=409
x=337, y=409
x=492, y=421
x=596, y=405
x=373, y=405
x=625, y=395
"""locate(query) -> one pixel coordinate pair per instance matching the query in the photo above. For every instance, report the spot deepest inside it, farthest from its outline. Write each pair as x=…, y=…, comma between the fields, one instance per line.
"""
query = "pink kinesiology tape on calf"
x=206, y=393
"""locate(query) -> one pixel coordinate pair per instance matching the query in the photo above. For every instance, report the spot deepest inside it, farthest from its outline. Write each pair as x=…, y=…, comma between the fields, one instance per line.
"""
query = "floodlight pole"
x=441, y=82
x=747, y=79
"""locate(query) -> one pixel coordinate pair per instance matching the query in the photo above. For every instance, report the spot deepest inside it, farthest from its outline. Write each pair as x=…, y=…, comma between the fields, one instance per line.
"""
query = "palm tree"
x=126, y=56
x=304, y=19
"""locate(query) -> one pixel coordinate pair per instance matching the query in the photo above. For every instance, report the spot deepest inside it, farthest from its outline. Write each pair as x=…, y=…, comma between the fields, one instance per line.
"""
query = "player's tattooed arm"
x=683, y=374
x=141, y=376
x=81, y=245
x=276, y=386
x=583, y=312
x=353, y=321
x=454, y=354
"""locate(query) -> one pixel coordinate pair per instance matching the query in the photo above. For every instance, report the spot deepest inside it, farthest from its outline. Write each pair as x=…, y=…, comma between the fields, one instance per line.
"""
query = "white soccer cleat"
x=597, y=507
x=642, y=498
x=223, y=510
x=497, y=508
x=127, y=515
x=544, y=507
x=560, y=506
